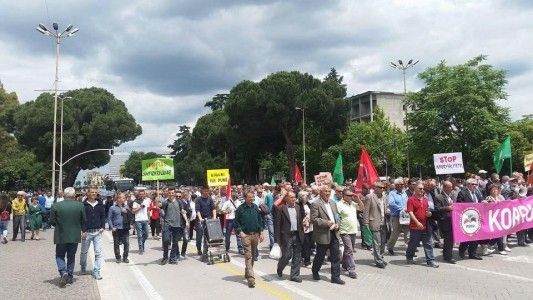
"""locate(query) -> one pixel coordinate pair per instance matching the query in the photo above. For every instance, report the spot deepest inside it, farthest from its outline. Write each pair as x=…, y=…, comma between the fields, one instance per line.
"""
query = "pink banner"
x=483, y=221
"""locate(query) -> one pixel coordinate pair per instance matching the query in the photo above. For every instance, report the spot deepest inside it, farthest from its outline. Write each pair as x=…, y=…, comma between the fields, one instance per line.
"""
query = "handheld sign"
x=157, y=169
x=448, y=163
x=218, y=177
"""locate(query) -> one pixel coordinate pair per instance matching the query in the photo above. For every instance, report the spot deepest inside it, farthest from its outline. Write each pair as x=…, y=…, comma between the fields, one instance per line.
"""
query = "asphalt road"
x=29, y=273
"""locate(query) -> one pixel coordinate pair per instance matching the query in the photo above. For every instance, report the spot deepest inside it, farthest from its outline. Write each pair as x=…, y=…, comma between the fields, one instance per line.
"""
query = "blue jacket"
x=397, y=202
x=116, y=219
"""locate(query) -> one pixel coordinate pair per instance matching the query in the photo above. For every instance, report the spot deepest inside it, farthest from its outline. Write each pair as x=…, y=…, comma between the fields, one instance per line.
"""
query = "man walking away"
x=67, y=217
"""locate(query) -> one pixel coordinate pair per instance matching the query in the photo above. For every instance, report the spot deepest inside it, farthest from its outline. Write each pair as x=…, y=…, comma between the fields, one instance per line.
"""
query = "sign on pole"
x=157, y=169
x=528, y=160
x=323, y=178
x=218, y=177
x=448, y=163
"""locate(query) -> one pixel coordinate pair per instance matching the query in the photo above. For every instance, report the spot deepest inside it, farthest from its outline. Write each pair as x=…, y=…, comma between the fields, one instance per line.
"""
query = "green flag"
x=502, y=153
x=272, y=182
x=338, y=175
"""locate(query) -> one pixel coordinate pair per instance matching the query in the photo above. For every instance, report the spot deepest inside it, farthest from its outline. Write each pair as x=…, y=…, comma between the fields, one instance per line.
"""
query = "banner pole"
x=157, y=189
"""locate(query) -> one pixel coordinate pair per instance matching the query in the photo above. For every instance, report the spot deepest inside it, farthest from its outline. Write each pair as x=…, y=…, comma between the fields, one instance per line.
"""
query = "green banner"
x=157, y=169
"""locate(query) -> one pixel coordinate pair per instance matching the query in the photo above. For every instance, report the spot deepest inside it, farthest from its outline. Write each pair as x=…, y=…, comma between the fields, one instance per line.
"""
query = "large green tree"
x=93, y=118
x=457, y=111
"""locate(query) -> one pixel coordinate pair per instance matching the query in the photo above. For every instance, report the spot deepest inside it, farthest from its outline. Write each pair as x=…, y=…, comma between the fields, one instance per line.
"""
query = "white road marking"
x=147, y=287
x=284, y=284
x=520, y=259
x=495, y=273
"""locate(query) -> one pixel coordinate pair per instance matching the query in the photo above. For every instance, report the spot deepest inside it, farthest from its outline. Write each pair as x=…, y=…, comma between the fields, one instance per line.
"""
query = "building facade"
x=364, y=105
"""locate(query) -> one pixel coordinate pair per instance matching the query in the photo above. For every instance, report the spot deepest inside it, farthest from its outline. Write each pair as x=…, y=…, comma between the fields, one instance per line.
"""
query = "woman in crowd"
x=5, y=216
x=305, y=211
x=36, y=217
x=493, y=197
x=154, y=211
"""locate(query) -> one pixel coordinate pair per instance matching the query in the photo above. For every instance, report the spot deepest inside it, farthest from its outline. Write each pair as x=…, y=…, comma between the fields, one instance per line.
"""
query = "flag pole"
x=510, y=159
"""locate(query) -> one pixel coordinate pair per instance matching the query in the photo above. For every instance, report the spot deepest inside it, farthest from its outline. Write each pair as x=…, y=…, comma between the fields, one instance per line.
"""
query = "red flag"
x=228, y=189
x=297, y=174
x=367, y=172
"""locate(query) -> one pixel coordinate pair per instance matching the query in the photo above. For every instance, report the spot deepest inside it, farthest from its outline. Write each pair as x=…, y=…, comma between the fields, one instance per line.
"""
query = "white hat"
x=482, y=172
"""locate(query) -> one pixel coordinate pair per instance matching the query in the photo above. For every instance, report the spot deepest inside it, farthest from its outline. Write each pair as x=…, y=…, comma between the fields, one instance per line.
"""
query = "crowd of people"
x=307, y=225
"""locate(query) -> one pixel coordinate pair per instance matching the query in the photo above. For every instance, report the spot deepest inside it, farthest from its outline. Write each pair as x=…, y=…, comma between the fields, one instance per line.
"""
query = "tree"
x=385, y=143
x=8, y=104
x=217, y=102
x=182, y=144
x=132, y=166
x=457, y=111
x=93, y=118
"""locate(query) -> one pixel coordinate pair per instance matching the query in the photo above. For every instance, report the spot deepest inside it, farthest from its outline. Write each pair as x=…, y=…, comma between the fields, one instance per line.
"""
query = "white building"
x=116, y=163
x=363, y=107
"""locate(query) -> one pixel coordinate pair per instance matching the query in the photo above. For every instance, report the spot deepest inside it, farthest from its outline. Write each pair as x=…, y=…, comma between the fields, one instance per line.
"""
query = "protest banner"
x=323, y=178
x=485, y=221
x=528, y=161
x=217, y=177
x=448, y=163
x=157, y=169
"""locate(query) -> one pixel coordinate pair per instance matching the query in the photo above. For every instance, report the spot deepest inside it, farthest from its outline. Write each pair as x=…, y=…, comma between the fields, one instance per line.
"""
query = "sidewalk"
x=29, y=271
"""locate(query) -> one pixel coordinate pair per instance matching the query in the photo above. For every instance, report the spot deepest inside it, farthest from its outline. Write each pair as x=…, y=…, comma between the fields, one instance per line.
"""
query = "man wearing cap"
x=397, y=205
x=374, y=216
x=348, y=228
x=19, y=207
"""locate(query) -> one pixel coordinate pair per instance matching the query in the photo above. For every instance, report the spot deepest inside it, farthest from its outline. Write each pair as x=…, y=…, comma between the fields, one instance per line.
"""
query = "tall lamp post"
x=69, y=31
x=401, y=66
x=303, y=139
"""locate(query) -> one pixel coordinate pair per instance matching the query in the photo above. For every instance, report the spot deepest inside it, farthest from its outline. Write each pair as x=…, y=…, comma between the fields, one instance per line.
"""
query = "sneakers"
x=63, y=280
x=507, y=249
x=97, y=276
x=433, y=264
x=118, y=260
x=70, y=280
x=126, y=261
x=503, y=252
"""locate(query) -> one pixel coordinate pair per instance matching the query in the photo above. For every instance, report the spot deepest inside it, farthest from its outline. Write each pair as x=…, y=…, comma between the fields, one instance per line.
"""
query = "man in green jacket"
x=67, y=217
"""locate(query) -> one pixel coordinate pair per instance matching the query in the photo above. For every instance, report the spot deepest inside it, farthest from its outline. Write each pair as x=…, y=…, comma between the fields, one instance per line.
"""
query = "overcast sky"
x=165, y=59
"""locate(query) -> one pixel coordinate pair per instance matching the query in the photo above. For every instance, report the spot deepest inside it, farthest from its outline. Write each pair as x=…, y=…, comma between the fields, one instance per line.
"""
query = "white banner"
x=448, y=163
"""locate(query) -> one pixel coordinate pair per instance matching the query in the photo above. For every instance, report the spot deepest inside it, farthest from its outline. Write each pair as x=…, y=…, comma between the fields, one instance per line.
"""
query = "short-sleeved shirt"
x=419, y=207
x=142, y=214
x=348, y=216
x=205, y=206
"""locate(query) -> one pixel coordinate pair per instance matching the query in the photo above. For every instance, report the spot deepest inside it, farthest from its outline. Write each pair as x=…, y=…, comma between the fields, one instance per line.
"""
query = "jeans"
x=121, y=236
x=70, y=250
x=19, y=222
x=379, y=239
x=348, y=240
x=96, y=239
x=230, y=225
x=3, y=228
x=171, y=235
x=397, y=228
x=334, y=254
x=269, y=225
x=142, y=233
x=292, y=249
x=424, y=236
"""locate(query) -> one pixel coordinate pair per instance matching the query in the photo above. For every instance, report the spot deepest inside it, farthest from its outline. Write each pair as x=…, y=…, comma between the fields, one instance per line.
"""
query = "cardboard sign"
x=323, y=178
x=218, y=177
x=157, y=169
x=448, y=163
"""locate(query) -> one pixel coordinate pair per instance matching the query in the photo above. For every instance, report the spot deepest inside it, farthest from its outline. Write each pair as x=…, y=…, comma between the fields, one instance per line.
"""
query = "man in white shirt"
x=140, y=209
x=228, y=208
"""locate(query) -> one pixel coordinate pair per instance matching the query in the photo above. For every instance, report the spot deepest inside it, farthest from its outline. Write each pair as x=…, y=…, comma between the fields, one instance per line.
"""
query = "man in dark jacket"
x=67, y=217
x=470, y=194
x=92, y=232
x=443, y=205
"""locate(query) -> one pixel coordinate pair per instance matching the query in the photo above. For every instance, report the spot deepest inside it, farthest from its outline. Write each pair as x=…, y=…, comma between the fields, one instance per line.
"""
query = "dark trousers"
x=417, y=236
x=521, y=237
x=69, y=250
x=499, y=243
x=155, y=227
x=192, y=228
x=171, y=235
x=230, y=225
x=291, y=249
x=121, y=236
x=334, y=254
x=471, y=246
x=185, y=237
x=201, y=236
x=307, y=247
x=19, y=222
x=447, y=235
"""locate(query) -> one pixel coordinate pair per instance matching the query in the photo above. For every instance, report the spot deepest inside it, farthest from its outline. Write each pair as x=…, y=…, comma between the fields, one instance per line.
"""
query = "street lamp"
x=61, y=145
x=303, y=139
x=400, y=66
x=69, y=31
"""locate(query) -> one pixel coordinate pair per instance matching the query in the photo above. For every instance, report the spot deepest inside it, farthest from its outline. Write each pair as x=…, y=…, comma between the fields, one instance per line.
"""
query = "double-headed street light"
x=69, y=31
x=303, y=139
x=401, y=66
